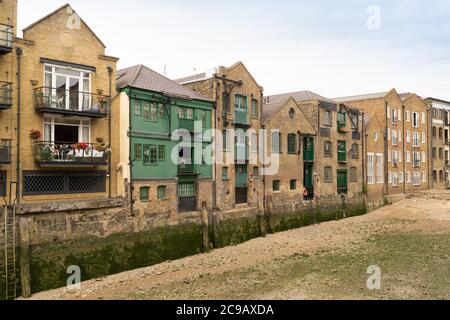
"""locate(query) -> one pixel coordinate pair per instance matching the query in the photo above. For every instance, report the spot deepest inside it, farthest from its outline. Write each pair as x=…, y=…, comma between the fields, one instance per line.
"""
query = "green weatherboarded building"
x=167, y=175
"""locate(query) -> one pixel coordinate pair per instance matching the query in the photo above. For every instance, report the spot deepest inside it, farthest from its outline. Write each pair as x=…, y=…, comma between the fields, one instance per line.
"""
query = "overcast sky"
x=335, y=48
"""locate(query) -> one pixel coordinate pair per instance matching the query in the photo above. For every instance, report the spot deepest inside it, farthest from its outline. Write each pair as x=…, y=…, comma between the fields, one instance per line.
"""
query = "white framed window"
x=424, y=138
x=394, y=137
x=380, y=168
x=408, y=116
x=395, y=158
x=408, y=176
x=408, y=136
x=389, y=156
x=389, y=112
x=416, y=140
x=416, y=179
x=401, y=177
x=399, y=114
x=400, y=157
x=400, y=135
x=395, y=179
x=408, y=156
x=394, y=115
x=65, y=130
x=370, y=168
x=424, y=118
x=389, y=134
x=415, y=119
x=424, y=177
x=424, y=157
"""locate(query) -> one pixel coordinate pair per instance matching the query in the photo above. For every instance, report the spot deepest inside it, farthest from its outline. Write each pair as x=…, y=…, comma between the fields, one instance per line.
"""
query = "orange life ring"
x=305, y=192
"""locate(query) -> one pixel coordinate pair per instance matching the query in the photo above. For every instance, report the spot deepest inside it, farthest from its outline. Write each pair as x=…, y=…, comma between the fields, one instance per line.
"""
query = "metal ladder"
x=8, y=245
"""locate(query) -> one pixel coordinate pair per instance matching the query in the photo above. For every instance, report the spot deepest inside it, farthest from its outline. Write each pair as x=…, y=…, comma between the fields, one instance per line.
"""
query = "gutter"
x=110, y=72
x=19, y=52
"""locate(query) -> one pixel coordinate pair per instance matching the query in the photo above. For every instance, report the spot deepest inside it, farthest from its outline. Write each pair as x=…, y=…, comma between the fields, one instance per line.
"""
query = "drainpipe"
x=430, y=162
x=130, y=150
x=110, y=72
x=404, y=147
x=386, y=151
x=19, y=52
x=364, y=154
x=214, y=186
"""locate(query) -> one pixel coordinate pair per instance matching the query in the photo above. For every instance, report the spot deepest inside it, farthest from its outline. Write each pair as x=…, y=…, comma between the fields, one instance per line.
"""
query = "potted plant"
x=80, y=151
x=102, y=151
x=35, y=134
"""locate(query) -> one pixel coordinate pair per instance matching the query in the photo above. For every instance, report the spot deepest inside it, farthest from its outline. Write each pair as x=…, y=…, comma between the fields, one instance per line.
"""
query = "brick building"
x=56, y=128
x=336, y=161
x=397, y=139
x=440, y=142
x=238, y=100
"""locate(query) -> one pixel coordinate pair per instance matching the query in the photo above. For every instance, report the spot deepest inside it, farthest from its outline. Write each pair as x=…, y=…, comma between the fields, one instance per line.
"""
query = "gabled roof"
x=270, y=110
x=142, y=77
x=66, y=6
x=362, y=97
x=299, y=96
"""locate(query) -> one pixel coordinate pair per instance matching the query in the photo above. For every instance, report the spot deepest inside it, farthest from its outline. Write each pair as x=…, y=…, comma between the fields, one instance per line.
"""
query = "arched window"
x=328, y=149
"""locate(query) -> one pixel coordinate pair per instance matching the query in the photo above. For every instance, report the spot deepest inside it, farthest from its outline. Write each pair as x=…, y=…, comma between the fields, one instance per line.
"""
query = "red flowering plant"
x=35, y=134
x=81, y=146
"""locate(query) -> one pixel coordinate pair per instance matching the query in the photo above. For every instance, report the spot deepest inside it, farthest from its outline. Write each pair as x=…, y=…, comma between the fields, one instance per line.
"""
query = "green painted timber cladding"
x=148, y=132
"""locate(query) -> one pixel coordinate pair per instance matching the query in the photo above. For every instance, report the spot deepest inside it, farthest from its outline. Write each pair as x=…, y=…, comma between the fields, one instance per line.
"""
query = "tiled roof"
x=300, y=96
x=362, y=97
x=142, y=77
x=270, y=109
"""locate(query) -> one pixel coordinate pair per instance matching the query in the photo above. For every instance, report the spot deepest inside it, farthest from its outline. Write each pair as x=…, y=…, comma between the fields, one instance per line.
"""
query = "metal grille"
x=51, y=182
x=2, y=183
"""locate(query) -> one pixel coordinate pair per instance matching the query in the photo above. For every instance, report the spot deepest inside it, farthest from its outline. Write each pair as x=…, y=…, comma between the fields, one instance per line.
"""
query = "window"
x=225, y=140
x=415, y=119
x=416, y=140
x=394, y=137
x=399, y=115
x=434, y=152
x=293, y=185
x=401, y=177
x=434, y=132
x=408, y=156
x=225, y=103
x=144, y=193
x=254, y=141
x=370, y=168
x=162, y=111
x=276, y=185
x=353, y=175
x=424, y=157
x=256, y=172
x=328, y=149
x=441, y=133
x=255, y=111
x=342, y=120
x=441, y=153
x=408, y=136
x=389, y=177
x=342, y=151
x=201, y=116
x=240, y=102
x=394, y=116
x=416, y=159
x=276, y=140
x=355, y=121
x=380, y=168
x=161, y=153
x=400, y=136
x=424, y=138
x=150, y=154
x=389, y=112
x=328, y=175
x=395, y=179
x=225, y=173
x=355, y=151
x=408, y=177
x=417, y=178
x=138, y=152
x=408, y=116
x=389, y=134
x=395, y=158
x=137, y=107
x=161, y=192
x=424, y=177
x=186, y=113
x=150, y=111
x=375, y=136
x=327, y=118
x=424, y=118
x=292, y=143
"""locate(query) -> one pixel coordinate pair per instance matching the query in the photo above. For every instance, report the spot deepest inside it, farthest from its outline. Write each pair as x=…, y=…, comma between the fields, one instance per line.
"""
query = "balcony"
x=186, y=124
x=6, y=39
x=5, y=152
x=50, y=154
x=69, y=102
x=5, y=95
x=186, y=169
x=241, y=118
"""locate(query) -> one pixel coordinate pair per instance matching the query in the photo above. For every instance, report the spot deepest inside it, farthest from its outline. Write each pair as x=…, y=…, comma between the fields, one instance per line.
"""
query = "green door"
x=308, y=149
x=342, y=182
x=308, y=180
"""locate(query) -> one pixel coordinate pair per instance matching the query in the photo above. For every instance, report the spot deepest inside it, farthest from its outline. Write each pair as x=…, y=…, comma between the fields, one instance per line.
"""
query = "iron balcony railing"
x=5, y=95
x=6, y=38
x=68, y=154
x=5, y=151
x=53, y=100
x=186, y=169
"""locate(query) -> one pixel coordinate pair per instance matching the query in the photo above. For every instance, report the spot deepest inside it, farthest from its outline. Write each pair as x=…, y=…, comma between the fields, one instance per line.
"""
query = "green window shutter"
x=144, y=193
x=161, y=192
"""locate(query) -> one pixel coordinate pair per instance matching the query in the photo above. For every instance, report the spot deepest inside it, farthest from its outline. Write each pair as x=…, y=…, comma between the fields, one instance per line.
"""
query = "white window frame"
x=81, y=127
x=415, y=120
x=380, y=168
x=408, y=136
x=370, y=168
x=424, y=138
x=408, y=116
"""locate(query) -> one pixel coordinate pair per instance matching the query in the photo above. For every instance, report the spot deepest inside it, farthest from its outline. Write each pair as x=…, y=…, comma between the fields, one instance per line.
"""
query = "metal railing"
x=52, y=153
x=186, y=169
x=5, y=94
x=6, y=36
x=70, y=101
